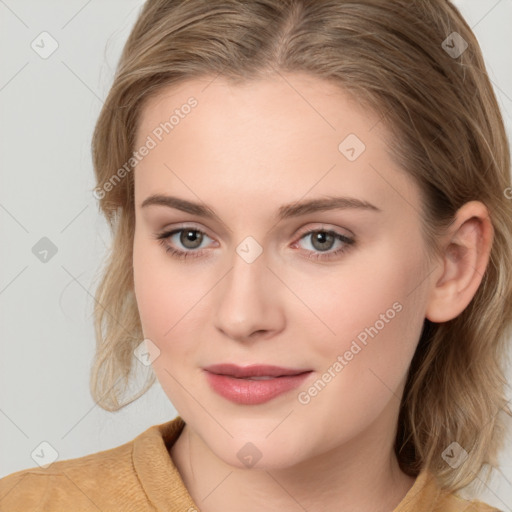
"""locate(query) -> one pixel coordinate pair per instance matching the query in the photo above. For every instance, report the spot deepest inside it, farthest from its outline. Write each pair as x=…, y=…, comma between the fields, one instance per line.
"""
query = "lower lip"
x=253, y=392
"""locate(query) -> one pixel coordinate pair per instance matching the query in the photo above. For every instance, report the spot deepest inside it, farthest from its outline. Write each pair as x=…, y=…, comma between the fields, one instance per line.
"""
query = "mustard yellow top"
x=141, y=476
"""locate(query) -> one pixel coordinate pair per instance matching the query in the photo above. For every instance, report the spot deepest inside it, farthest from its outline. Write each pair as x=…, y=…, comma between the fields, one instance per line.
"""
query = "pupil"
x=321, y=237
x=192, y=236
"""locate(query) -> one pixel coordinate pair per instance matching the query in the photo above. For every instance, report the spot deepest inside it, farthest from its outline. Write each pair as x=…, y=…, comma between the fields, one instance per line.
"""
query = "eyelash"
x=182, y=255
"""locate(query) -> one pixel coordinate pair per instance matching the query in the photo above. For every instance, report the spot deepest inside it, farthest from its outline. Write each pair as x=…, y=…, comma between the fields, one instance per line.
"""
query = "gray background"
x=48, y=108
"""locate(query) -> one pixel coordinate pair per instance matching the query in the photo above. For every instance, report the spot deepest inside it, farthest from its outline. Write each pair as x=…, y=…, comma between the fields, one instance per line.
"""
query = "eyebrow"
x=287, y=211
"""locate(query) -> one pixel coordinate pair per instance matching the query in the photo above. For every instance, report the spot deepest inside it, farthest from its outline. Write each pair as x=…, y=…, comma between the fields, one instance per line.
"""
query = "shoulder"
x=79, y=484
x=426, y=495
x=455, y=503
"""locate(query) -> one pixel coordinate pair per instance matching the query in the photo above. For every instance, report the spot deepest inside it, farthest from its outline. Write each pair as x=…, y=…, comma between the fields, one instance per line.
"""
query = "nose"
x=247, y=300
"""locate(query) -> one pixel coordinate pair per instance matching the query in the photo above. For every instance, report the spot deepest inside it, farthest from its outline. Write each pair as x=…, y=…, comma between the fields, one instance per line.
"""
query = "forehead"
x=275, y=102
x=283, y=137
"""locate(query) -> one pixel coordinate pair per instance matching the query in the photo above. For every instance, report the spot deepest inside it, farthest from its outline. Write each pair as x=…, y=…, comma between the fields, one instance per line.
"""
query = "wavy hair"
x=397, y=59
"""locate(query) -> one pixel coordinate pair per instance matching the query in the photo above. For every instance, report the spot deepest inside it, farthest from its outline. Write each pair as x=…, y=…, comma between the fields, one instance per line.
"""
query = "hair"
x=448, y=135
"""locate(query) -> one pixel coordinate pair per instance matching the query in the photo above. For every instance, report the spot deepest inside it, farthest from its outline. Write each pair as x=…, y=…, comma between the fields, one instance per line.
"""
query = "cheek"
x=371, y=316
x=157, y=291
x=169, y=305
x=169, y=300
x=375, y=315
x=353, y=298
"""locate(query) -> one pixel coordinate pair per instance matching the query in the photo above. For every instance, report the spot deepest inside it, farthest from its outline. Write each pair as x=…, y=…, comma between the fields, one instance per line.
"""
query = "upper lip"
x=254, y=370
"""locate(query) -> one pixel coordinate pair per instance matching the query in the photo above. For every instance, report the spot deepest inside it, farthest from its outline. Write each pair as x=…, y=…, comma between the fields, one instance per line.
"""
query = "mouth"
x=255, y=384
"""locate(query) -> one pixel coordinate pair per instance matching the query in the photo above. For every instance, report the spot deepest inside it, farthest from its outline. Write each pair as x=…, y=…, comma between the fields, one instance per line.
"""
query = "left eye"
x=327, y=238
x=191, y=239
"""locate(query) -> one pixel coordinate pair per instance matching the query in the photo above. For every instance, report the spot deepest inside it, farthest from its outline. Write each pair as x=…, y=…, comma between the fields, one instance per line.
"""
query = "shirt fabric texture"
x=140, y=476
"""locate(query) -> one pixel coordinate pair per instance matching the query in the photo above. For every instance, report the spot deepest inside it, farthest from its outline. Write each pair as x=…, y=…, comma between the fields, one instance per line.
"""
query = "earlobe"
x=465, y=258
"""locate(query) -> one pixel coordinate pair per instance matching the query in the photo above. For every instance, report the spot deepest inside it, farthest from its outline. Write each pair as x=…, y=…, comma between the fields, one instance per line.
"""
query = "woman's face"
x=340, y=292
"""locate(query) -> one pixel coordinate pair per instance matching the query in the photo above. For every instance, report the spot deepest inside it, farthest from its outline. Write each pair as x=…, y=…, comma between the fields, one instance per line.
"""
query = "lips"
x=256, y=371
x=254, y=384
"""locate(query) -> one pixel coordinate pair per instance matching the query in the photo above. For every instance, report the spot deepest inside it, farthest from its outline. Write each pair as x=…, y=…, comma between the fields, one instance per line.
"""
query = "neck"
x=361, y=474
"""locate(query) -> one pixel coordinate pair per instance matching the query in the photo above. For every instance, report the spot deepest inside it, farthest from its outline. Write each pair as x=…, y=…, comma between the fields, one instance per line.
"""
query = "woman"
x=312, y=226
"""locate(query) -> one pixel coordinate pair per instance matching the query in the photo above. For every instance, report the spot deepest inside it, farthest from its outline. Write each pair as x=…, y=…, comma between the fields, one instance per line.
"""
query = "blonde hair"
x=448, y=135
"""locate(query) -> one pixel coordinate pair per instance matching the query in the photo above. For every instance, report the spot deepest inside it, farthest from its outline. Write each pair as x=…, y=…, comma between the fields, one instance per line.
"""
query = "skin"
x=245, y=150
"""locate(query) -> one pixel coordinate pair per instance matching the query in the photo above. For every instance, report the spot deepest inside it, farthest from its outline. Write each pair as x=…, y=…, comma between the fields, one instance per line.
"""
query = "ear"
x=466, y=252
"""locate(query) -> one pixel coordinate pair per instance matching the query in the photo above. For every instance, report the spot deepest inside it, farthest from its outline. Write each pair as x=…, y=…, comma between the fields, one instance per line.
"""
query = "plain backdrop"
x=48, y=107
